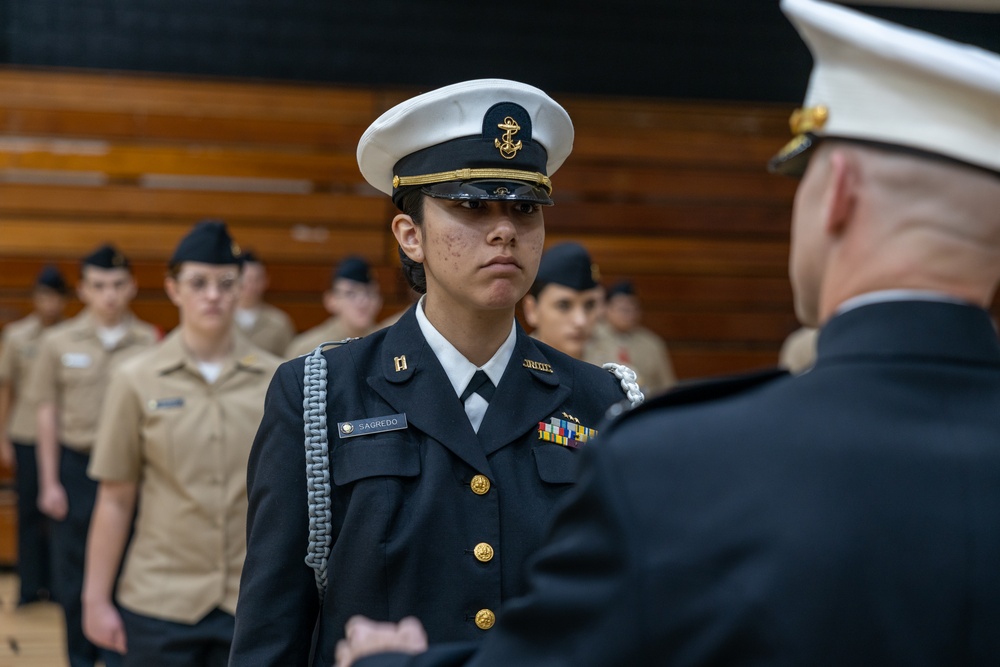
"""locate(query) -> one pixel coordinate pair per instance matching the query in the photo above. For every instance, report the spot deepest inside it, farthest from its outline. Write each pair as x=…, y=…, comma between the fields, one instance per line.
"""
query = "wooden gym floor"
x=33, y=636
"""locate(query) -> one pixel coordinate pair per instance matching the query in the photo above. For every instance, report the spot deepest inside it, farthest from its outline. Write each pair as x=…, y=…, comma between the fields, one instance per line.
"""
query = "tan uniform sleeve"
x=666, y=377
x=42, y=385
x=6, y=358
x=117, y=450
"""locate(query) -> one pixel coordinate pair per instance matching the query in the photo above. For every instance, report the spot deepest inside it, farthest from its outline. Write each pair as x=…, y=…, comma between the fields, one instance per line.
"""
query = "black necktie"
x=480, y=384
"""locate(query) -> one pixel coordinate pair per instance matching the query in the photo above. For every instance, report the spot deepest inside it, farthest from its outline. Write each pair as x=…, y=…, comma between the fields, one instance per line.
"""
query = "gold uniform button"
x=480, y=484
x=483, y=552
x=485, y=619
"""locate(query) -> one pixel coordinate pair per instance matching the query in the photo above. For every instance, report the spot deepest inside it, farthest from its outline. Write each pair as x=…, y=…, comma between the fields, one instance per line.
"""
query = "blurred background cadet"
x=266, y=326
x=353, y=302
x=798, y=352
x=17, y=431
x=565, y=300
x=67, y=384
x=619, y=337
x=173, y=444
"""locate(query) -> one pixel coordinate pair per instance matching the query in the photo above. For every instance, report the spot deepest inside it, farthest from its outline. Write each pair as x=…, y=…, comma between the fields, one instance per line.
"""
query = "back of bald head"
x=903, y=188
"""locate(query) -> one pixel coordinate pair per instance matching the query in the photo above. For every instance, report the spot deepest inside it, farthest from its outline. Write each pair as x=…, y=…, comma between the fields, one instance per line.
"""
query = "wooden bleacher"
x=671, y=194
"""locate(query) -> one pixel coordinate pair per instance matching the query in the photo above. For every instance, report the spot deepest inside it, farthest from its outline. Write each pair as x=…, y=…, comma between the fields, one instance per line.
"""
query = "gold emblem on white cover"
x=508, y=149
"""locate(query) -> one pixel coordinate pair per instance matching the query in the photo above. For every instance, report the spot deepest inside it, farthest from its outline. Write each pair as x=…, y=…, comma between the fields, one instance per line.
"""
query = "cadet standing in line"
x=846, y=516
x=67, y=385
x=451, y=433
x=175, y=434
x=565, y=300
x=620, y=337
x=353, y=302
x=17, y=432
x=266, y=326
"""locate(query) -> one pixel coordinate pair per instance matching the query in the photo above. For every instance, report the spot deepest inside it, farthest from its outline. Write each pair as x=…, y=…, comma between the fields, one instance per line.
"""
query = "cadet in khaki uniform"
x=353, y=302
x=17, y=432
x=267, y=327
x=67, y=385
x=620, y=338
x=175, y=435
x=565, y=300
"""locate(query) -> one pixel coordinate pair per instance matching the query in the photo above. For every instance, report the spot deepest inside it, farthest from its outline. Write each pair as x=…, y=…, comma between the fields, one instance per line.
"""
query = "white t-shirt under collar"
x=886, y=295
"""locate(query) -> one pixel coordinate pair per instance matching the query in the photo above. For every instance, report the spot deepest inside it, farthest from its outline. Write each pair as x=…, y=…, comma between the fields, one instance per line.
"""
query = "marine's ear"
x=842, y=191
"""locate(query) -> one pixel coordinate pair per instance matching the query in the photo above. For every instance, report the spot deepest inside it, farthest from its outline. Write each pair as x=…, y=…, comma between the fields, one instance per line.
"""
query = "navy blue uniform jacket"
x=405, y=519
x=848, y=516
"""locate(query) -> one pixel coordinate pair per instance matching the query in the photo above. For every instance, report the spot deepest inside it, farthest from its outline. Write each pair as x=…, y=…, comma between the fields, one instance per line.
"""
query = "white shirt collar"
x=459, y=369
x=884, y=296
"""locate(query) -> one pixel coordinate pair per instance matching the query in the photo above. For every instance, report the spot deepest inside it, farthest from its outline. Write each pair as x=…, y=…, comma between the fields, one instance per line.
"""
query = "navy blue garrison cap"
x=51, y=278
x=568, y=264
x=209, y=243
x=106, y=257
x=353, y=268
x=621, y=287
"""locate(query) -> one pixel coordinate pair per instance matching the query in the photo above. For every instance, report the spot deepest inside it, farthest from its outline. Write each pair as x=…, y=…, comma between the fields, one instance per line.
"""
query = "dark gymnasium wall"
x=702, y=49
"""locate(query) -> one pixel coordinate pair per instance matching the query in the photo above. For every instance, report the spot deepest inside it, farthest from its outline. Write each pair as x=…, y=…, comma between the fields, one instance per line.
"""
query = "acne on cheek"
x=454, y=245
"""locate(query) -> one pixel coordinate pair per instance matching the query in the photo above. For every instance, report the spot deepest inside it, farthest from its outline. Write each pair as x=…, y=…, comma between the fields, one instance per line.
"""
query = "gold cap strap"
x=473, y=174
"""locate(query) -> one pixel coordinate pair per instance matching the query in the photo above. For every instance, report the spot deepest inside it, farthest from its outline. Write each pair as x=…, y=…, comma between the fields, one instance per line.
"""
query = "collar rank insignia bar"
x=564, y=432
x=372, y=425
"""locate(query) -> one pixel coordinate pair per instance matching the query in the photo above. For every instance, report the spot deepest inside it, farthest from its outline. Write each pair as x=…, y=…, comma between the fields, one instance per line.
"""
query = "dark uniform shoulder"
x=703, y=391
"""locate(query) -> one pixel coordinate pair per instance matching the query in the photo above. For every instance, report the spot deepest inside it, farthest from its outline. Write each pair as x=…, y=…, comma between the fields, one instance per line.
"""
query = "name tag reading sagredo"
x=372, y=425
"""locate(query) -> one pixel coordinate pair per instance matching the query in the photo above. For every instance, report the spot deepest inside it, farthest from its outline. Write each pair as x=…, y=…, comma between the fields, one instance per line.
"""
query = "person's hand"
x=7, y=458
x=364, y=637
x=52, y=501
x=102, y=624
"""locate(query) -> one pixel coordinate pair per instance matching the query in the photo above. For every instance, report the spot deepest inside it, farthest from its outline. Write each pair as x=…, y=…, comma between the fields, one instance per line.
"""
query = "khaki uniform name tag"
x=164, y=403
x=76, y=360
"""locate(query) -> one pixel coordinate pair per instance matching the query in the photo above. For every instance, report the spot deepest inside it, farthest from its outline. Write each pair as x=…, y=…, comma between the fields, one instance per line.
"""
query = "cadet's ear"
x=170, y=287
x=530, y=306
x=407, y=234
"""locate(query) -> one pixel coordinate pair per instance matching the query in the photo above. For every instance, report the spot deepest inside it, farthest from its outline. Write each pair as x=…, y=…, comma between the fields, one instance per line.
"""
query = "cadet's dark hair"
x=537, y=287
x=412, y=204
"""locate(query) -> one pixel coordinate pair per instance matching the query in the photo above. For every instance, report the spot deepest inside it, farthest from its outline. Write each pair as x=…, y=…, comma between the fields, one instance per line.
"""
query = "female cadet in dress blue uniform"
x=437, y=493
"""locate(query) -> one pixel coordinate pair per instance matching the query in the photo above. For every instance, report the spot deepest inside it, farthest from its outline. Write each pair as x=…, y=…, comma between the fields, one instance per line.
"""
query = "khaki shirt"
x=20, y=348
x=272, y=330
x=72, y=371
x=331, y=330
x=639, y=349
x=186, y=442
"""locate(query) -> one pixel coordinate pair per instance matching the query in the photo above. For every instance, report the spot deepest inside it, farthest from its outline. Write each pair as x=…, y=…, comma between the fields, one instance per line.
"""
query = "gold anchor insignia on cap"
x=508, y=149
x=808, y=119
x=400, y=363
x=236, y=250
